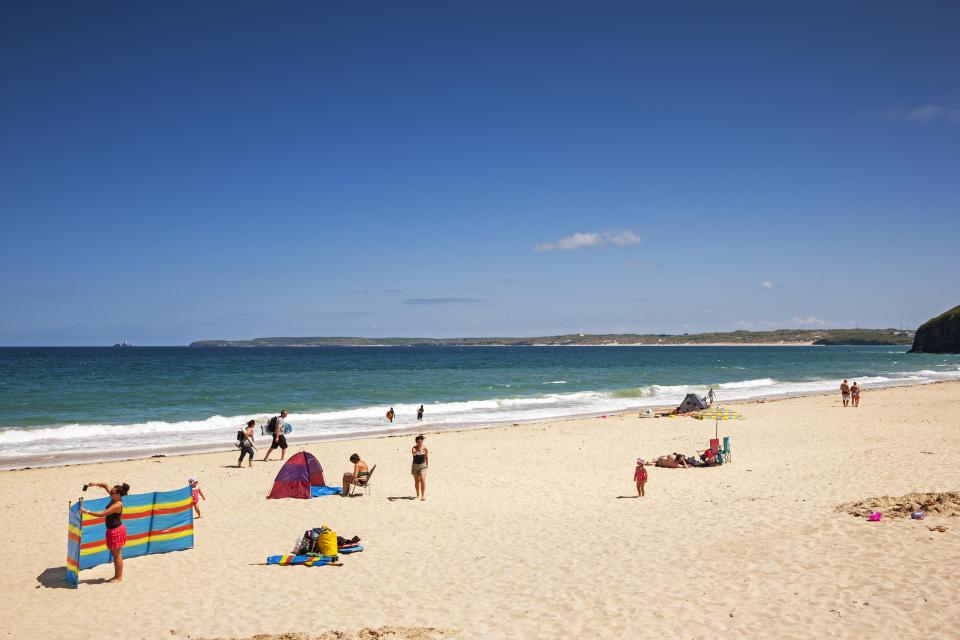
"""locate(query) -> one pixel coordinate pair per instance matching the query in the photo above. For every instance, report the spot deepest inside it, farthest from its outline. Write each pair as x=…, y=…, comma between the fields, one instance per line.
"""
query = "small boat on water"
x=123, y=344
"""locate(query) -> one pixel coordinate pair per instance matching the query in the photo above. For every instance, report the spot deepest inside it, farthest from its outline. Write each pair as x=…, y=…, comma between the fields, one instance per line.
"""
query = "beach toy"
x=875, y=516
x=918, y=515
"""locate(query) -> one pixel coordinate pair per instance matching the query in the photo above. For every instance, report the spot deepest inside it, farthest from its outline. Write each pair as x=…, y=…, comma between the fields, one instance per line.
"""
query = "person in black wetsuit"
x=112, y=518
x=421, y=460
x=420, y=413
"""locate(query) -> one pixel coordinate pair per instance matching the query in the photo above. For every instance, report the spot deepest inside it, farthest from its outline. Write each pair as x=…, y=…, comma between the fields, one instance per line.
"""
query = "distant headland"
x=798, y=337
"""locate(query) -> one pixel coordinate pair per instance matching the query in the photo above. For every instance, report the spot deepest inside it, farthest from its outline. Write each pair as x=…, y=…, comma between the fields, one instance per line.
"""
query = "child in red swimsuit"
x=640, y=475
x=197, y=493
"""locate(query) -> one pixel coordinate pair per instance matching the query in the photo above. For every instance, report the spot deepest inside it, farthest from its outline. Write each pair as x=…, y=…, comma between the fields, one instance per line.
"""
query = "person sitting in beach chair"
x=359, y=476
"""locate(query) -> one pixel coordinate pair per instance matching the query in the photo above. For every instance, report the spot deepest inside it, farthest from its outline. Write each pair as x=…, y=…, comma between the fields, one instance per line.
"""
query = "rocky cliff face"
x=939, y=335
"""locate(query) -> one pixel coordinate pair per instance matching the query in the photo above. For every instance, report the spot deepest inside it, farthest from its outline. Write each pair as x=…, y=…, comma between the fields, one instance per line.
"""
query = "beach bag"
x=328, y=542
x=269, y=428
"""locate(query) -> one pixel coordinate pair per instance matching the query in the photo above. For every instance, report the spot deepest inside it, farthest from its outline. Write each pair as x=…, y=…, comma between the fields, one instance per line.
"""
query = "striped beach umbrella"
x=716, y=414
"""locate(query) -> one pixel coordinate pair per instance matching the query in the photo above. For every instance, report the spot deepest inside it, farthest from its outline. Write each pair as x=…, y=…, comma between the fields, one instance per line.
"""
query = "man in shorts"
x=279, y=440
x=845, y=392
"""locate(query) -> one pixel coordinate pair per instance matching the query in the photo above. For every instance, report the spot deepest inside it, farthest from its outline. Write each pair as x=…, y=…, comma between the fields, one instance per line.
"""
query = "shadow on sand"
x=56, y=578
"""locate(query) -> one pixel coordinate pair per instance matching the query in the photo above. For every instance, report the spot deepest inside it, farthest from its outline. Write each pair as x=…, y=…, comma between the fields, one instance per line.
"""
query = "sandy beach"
x=535, y=531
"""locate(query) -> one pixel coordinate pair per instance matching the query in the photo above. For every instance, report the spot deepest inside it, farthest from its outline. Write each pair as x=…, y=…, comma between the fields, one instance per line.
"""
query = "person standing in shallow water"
x=113, y=519
x=845, y=392
x=420, y=413
x=390, y=414
x=421, y=460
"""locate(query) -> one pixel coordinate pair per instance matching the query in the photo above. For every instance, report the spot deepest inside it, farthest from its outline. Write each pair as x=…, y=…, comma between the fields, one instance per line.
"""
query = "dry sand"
x=534, y=531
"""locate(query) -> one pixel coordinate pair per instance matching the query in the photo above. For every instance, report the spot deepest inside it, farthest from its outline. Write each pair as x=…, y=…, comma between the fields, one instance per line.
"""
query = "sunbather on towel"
x=672, y=461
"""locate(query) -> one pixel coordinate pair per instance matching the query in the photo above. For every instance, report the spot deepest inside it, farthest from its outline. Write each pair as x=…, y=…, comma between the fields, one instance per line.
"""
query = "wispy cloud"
x=766, y=284
x=580, y=240
x=443, y=301
x=807, y=320
x=923, y=114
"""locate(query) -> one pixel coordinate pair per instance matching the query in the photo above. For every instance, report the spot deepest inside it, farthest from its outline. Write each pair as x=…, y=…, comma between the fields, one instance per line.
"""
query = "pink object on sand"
x=875, y=516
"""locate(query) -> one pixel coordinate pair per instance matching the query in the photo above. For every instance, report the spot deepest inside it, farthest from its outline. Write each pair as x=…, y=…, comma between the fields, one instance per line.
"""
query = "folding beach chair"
x=362, y=484
x=715, y=445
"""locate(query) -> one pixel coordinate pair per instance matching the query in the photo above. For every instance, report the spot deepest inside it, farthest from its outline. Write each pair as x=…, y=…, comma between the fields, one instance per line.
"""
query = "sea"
x=65, y=405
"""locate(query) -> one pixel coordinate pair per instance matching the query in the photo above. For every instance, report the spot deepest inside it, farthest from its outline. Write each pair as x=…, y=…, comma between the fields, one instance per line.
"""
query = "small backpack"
x=270, y=428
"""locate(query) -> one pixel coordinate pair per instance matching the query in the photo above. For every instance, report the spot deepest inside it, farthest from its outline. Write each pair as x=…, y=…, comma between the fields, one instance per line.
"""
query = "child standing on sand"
x=197, y=494
x=640, y=475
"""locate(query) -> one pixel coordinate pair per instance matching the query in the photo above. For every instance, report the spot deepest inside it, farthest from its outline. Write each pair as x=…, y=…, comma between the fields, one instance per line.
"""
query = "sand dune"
x=533, y=531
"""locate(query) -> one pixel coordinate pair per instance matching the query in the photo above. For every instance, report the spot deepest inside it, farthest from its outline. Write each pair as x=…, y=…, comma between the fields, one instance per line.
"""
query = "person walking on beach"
x=113, y=519
x=420, y=413
x=710, y=397
x=640, y=476
x=196, y=493
x=390, y=414
x=845, y=392
x=279, y=440
x=855, y=394
x=245, y=442
x=421, y=461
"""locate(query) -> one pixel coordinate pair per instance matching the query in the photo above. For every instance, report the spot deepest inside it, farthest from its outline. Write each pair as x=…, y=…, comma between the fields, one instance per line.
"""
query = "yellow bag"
x=328, y=542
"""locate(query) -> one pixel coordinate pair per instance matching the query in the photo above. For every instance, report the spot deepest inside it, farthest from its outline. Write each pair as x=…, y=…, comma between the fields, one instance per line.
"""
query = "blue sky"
x=174, y=171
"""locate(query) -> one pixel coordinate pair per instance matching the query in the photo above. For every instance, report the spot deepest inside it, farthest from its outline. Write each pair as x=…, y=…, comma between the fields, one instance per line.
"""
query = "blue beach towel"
x=316, y=492
x=300, y=561
x=355, y=549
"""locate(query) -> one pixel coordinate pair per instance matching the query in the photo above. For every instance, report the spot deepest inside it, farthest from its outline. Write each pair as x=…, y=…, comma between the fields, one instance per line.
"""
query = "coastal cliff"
x=940, y=334
x=733, y=338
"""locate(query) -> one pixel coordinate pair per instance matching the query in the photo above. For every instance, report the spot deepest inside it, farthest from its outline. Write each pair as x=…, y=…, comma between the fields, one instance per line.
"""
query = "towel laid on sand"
x=316, y=492
x=303, y=561
x=351, y=549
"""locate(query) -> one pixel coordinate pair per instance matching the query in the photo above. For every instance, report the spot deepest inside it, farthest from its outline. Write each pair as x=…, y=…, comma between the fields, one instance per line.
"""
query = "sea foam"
x=219, y=431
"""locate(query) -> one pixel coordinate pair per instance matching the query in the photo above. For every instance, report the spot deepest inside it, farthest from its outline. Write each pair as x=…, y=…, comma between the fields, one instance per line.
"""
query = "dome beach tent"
x=692, y=402
x=296, y=477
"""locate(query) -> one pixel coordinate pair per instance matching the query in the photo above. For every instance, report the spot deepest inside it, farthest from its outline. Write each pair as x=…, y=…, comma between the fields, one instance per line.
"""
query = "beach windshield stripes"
x=73, y=546
x=156, y=522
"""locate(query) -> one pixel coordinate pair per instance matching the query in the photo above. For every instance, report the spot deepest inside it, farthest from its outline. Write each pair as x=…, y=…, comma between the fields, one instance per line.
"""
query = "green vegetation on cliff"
x=781, y=336
x=940, y=334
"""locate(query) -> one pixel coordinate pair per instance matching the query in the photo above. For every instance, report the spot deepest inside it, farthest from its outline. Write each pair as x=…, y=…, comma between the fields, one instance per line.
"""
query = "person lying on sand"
x=672, y=461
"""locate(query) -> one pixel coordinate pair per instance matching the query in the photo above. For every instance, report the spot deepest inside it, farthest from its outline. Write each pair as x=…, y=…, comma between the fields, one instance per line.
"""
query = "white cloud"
x=807, y=320
x=924, y=114
x=766, y=284
x=591, y=239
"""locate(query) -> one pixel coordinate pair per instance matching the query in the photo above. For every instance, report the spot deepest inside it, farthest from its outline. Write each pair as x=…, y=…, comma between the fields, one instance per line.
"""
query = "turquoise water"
x=82, y=401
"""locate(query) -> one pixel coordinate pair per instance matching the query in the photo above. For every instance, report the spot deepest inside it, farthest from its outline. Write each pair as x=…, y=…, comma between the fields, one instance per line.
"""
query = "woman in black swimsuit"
x=112, y=518
x=421, y=461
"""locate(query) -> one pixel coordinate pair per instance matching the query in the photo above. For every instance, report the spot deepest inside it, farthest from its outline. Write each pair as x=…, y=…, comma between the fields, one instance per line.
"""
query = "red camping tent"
x=296, y=476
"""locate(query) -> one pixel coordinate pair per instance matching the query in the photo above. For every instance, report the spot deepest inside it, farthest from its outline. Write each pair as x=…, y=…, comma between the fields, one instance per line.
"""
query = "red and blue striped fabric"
x=157, y=522
x=73, y=546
